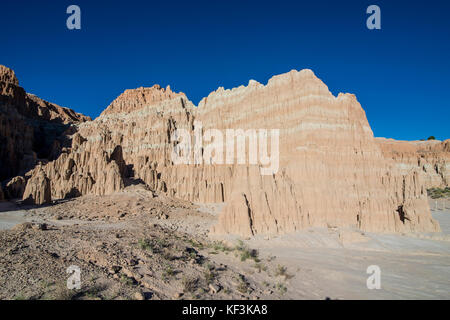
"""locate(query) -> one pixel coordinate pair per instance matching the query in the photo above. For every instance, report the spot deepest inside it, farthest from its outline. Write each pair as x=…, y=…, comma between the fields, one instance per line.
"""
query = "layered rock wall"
x=431, y=158
x=31, y=130
x=332, y=171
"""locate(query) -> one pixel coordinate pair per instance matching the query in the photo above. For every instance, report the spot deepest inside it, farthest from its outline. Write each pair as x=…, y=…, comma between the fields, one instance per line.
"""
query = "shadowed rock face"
x=332, y=170
x=31, y=129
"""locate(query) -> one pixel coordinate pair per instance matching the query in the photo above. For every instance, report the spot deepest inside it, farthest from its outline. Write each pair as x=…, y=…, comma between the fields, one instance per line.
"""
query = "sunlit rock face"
x=431, y=158
x=331, y=169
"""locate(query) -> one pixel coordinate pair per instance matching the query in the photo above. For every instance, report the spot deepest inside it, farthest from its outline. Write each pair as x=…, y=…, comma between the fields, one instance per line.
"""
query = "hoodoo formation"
x=332, y=171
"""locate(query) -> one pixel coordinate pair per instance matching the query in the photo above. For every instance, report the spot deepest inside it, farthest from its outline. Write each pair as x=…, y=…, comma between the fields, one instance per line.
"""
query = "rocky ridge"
x=333, y=172
x=31, y=130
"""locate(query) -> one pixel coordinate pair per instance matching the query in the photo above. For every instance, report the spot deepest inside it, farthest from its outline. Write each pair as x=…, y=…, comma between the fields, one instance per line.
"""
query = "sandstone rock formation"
x=16, y=187
x=38, y=189
x=332, y=170
x=431, y=158
x=31, y=129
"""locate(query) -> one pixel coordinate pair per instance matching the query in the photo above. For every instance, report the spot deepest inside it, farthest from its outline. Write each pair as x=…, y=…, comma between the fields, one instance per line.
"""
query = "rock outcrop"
x=431, y=158
x=332, y=171
x=16, y=187
x=31, y=130
x=38, y=189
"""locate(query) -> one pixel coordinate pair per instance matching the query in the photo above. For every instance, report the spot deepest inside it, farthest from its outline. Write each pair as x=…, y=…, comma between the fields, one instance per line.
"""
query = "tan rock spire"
x=38, y=189
x=8, y=76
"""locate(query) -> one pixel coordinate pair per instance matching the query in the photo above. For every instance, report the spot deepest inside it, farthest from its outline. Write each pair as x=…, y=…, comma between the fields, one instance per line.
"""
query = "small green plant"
x=189, y=284
x=47, y=284
x=281, y=288
x=162, y=243
x=196, y=244
x=245, y=253
x=209, y=273
x=282, y=271
x=192, y=255
x=260, y=267
x=168, y=272
x=243, y=285
x=146, y=244
x=126, y=280
x=240, y=245
x=220, y=246
x=209, y=276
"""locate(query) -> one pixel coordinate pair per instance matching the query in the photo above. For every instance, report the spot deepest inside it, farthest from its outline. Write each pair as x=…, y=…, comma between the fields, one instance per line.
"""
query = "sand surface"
x=317, y=263
x=412, y=266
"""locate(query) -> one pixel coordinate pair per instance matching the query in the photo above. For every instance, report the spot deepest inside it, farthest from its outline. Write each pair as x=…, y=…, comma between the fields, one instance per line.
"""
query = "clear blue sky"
x=400, y=74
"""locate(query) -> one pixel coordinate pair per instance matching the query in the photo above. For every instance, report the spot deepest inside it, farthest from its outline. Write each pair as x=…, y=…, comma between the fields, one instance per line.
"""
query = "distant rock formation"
x=332, y=170
x=431, y=158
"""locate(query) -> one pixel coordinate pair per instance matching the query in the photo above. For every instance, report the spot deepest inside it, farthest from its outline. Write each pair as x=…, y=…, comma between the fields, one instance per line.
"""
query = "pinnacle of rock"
x=7, y=75
x=134, y=99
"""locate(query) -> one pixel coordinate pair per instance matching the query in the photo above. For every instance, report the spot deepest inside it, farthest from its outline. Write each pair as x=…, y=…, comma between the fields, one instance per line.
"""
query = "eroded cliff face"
x=31, y=130
x=332, y=171
x=431, y=159
x=128, y=143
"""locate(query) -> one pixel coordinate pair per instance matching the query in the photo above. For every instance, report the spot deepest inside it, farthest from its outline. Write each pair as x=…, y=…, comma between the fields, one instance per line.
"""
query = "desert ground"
x=137, y=244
